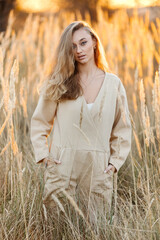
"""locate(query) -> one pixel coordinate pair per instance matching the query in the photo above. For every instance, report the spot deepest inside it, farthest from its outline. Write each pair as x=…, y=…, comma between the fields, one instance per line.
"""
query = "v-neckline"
x=100, y=90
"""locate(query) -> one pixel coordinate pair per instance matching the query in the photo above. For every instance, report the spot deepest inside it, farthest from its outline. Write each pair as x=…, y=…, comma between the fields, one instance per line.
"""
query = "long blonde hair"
x=63, y=83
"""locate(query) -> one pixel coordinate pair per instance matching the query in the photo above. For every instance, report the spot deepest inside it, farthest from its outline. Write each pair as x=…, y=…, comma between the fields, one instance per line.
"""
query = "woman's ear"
x=94, y=43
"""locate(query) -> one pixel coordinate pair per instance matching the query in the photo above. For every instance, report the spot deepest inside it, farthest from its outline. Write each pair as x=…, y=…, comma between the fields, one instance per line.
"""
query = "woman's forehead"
x=79, y=35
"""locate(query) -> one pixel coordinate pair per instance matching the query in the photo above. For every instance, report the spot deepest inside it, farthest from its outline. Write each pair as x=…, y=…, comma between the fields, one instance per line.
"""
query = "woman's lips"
x=81, y=57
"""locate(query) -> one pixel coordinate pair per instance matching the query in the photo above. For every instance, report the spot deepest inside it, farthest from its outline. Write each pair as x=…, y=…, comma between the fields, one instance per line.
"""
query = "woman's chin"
x=82, y=61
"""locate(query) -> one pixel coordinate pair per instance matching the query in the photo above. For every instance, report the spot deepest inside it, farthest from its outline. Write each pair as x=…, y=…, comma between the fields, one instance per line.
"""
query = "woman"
x=86, y=107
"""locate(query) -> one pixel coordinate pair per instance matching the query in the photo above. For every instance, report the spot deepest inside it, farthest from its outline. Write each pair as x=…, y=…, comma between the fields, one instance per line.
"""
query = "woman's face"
x=83, y=46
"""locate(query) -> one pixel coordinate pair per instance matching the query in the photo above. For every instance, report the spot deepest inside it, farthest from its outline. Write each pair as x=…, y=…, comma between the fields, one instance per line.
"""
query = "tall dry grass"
x=133, y=52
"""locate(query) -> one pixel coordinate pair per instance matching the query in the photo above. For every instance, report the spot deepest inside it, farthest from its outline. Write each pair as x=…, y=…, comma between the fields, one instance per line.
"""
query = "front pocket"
x=106, y=158
x=56, y=154
x=66, y=156
x=110, y=173
x=51, y=163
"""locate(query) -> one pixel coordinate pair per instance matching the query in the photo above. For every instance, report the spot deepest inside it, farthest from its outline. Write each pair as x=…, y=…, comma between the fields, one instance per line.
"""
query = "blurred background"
x=55, y=7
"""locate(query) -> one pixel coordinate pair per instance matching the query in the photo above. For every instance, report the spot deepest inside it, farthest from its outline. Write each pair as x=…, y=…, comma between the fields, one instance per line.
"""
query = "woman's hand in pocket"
x=47, y=161
x=110, y=168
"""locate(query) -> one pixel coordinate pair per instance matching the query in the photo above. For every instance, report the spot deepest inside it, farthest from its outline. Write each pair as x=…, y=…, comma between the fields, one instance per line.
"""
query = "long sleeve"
x=41, y=126
x=120, y=140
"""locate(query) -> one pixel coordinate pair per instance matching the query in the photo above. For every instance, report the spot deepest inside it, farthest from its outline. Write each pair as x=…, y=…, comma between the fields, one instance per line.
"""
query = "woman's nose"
x=79, y=49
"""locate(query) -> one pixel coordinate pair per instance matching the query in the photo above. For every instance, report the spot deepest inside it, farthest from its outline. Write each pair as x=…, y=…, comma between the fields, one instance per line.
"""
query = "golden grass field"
x=132, y=49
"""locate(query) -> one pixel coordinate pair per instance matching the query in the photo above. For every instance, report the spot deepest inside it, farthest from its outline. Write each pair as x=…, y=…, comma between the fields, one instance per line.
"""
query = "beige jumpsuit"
x=85, y=141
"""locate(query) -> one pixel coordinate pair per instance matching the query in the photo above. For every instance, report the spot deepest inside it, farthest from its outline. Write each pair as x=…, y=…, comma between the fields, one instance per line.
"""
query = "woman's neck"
x=85, y=70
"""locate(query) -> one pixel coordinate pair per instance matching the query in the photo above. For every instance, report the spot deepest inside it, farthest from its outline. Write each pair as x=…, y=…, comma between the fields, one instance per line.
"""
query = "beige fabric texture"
x=84, y=140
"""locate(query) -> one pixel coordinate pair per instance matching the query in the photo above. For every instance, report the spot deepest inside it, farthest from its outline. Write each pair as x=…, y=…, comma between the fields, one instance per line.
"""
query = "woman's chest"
x=77, y=111
x=91, y=92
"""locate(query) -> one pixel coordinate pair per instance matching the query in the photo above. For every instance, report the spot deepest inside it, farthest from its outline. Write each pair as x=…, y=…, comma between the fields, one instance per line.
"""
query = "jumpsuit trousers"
x=81, y=175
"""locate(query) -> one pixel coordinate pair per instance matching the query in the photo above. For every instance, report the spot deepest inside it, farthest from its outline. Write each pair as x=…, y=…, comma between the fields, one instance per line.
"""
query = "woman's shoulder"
x=113, y=78
x=117, y=83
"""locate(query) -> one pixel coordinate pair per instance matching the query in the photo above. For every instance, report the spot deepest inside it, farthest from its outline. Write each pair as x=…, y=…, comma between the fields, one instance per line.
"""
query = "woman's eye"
x=83, y=43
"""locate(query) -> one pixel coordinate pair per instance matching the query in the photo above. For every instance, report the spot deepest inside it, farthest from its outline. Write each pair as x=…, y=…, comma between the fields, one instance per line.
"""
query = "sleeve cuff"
x=40, y=156
x=113, y=166
x=114, y=162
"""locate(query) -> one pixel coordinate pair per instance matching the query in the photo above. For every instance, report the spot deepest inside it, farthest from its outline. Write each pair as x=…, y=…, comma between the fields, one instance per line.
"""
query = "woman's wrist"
x=114, y=169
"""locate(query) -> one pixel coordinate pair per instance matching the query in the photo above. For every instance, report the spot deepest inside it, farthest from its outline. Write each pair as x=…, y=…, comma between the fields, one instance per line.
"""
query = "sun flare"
x=50, y=5
x=132, y=3
x=36, y=5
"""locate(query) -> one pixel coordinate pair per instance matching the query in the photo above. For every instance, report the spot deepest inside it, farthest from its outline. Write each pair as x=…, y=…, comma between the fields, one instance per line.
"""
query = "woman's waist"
x=85, y=148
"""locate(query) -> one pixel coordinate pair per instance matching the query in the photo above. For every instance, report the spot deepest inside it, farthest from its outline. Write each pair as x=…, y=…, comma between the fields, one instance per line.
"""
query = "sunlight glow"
x=131, y=3
x=50, y=5
x=37, y=5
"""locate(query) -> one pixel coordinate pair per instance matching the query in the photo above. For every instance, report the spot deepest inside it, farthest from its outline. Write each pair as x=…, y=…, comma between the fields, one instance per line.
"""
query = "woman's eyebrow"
x=81, y=40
